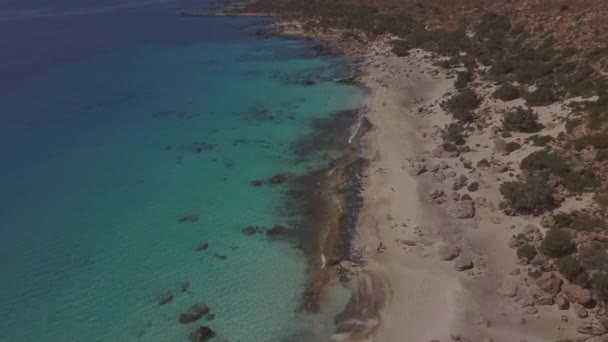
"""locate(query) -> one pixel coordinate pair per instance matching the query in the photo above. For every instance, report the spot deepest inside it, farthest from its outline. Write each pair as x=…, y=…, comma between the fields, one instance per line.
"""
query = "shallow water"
x=117, y=122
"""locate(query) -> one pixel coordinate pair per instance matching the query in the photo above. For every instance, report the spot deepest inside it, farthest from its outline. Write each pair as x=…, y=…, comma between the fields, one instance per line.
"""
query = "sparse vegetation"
x=526, y=251
x=506, y=92
x=512, y=146
x=462, y=79
x=462, y=105
x=557, y=243
x=569, y=267
x=453, y=134
x=521, y=120
x=533, y=196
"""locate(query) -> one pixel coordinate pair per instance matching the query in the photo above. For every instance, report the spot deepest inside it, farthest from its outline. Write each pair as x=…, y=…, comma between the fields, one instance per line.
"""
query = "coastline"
x=402, y=288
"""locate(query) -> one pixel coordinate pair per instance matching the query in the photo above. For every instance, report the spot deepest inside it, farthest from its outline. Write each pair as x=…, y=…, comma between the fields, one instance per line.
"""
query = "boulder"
x=419, y=169
x=509, y=290
x=580, y=311
x=591, y=328
x=577, y=294
x=462, y=263
x=530, y=310
x=462, y=209
x=550, y=283
x=562, y=303
x=448, y=252
x=459, y=183
x=201, y=334
x=439, y=176
x=195, y=313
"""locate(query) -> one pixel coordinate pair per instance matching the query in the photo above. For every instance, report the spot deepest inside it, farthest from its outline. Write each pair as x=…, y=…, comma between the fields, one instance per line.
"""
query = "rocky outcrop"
x=577, y=294
x=549, y=283
x=462, y=209
x=447, y=252
x=463, y=263
x=591, y=328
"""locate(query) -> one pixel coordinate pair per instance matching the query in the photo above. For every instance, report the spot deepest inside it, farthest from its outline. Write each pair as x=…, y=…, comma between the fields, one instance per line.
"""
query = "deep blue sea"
x=118, y=118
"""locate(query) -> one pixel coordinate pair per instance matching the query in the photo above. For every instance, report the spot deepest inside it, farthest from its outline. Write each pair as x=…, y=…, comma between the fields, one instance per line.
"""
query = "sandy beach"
x=413, y=210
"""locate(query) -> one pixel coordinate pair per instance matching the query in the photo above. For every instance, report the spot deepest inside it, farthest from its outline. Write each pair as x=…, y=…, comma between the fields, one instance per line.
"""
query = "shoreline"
x=401, y=289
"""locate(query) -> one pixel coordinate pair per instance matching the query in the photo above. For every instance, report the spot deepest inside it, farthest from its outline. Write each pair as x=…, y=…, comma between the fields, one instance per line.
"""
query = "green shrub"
x=512, y=146
x=533, y=196
x=542, y=96
x=578, y=220
x=473, y=187
x=543, y=163
x=600, y=285
x=449, y=147
x=572, y=124
x=569, y=267
x=462, y=104
x=557, y=243
x=506, y=92
x=463, y=78
x=526, y=251
x=541, y=140
x=599, y=141
x=594, y=257
x=401, y=48
x=601, y=155
x=453, y=134
x=521, y=120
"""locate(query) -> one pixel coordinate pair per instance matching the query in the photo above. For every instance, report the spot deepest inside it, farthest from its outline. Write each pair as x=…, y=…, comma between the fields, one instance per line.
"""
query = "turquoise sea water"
x=115, y=123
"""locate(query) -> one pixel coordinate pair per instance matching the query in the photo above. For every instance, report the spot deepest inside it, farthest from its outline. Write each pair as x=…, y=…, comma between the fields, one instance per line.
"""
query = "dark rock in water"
x=201, y=334
x=188, y=218
x=165, y=298
x=277, y=179
x=184, y=286
x=275, y=230
x=220, y=256
x=199, y=146
x=195, y=313
x=250, y=230
x=256, y=183
x=309, y=82
x=210, y=317
x=202, y=246
x=168, y=147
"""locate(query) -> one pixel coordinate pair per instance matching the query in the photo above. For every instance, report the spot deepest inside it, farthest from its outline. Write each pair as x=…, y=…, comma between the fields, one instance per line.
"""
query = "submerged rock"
x=277, y=179
x=195, y=313
x=250, y=230
x=201, y=334
x=220, y=256
x=184, y=285
x=256, y=183
x=165, y=298
x=188, y=218
x=275, y=230
x=202, y=246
